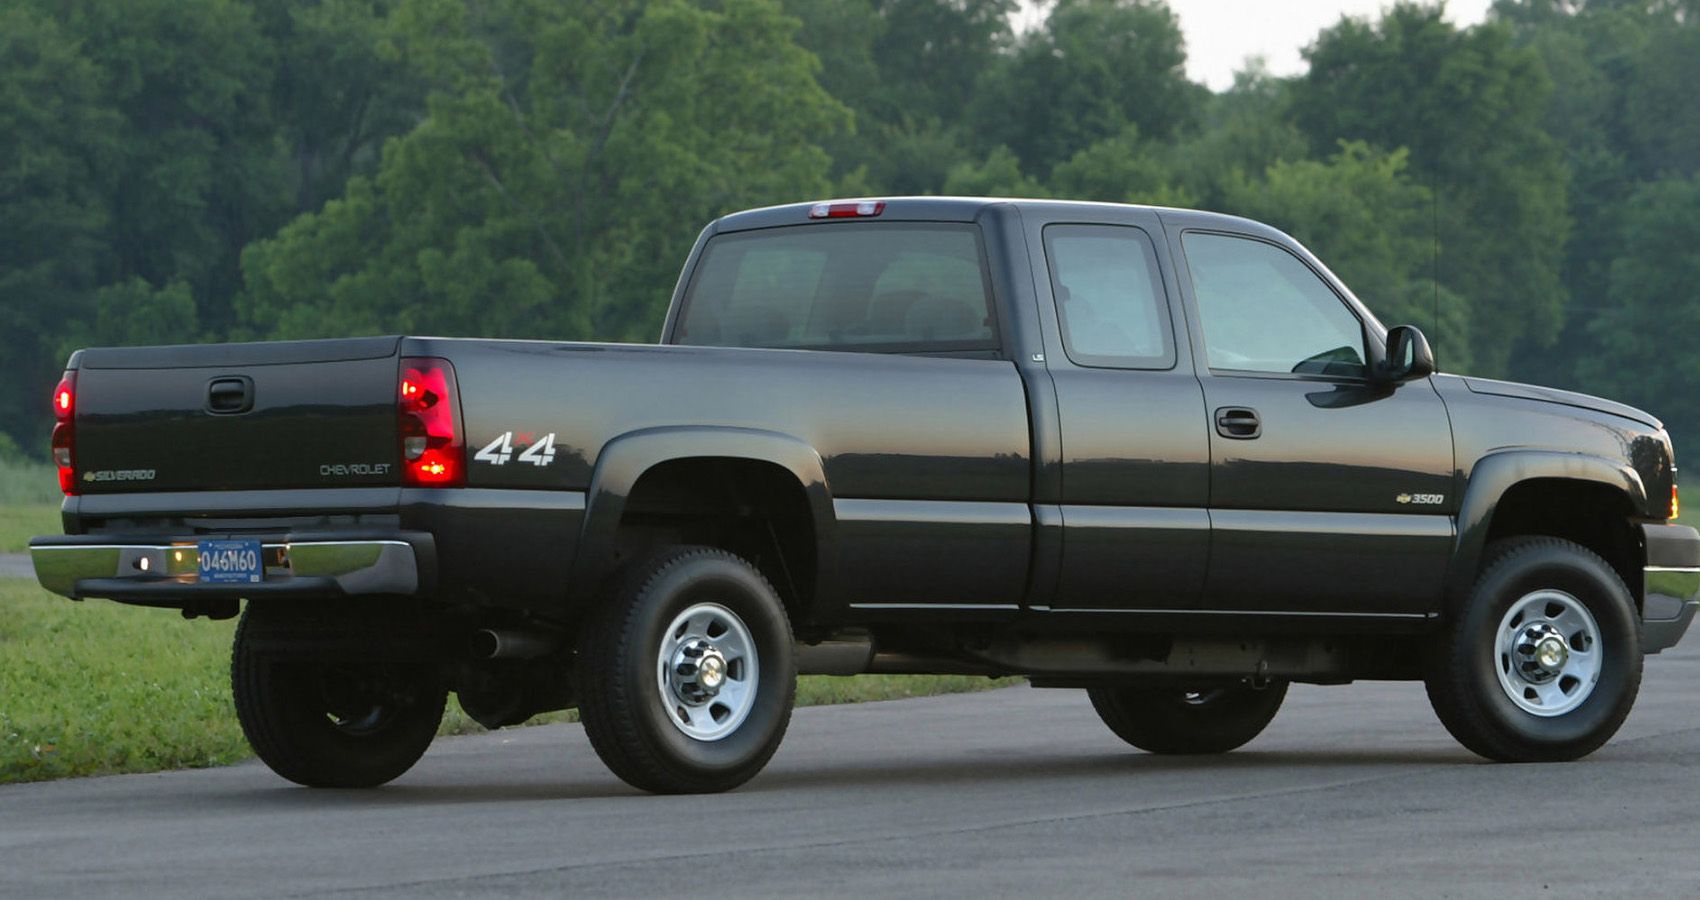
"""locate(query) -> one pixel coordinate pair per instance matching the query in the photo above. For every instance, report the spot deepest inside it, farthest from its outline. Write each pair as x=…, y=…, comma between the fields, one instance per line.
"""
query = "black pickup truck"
x=1161, y=455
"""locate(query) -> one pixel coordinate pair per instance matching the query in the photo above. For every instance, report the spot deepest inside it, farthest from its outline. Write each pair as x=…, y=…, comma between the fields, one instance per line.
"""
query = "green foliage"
x=998, y=175
x=1121, y=169
x=58, y=144
x=565, y=163
x=1468, y=105
x=1652, y=288
x=1096, y=67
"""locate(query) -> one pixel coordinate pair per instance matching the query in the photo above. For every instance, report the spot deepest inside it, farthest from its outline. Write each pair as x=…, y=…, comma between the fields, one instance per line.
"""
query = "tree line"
x=1527, y=190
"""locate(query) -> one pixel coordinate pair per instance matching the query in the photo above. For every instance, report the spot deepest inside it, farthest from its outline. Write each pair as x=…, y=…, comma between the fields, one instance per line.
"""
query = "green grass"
x=29, y=503
x=96, y=687
x=20, y=523
x=27, y=483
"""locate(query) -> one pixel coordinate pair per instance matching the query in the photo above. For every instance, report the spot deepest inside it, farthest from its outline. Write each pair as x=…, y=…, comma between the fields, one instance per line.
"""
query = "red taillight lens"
x=64, y=432
x=433, y=453
x=65, y=397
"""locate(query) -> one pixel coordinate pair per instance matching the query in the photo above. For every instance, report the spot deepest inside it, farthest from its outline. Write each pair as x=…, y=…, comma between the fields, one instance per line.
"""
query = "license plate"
x=231, y=562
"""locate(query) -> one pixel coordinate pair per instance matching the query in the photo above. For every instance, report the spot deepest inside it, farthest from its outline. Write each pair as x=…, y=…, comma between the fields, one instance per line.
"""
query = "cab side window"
x=1263, y=310
x=1109, y=296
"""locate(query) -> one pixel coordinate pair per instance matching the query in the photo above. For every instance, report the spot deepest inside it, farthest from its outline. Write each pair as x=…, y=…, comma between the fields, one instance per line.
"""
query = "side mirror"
x=1408, y=355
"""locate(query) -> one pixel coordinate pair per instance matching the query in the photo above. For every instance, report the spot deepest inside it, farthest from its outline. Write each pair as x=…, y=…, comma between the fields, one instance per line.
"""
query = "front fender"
x=1497, y=473
x=626, y=458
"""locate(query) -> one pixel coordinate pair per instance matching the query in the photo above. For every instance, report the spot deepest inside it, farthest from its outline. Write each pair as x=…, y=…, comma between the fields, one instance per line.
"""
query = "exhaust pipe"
x=504, y=643
x=847, y=654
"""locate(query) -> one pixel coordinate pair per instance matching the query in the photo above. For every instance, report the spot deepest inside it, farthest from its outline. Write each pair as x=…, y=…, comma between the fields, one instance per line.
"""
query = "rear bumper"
x=161, y=571
x=1672, y=581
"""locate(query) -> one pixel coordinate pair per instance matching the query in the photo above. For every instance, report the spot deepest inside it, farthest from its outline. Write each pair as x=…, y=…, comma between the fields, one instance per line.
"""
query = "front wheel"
x=330, y=724
x=1543, y=662
x=686, y=676
x=1188, y=721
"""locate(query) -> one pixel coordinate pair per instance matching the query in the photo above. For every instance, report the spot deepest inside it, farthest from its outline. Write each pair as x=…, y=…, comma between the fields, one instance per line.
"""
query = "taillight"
x=64, y=432
x=1675, y=504
x=433, y=453
x=855, y=209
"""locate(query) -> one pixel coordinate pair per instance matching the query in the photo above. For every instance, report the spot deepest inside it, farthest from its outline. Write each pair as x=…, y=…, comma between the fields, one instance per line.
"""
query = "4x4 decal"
x=501, y=450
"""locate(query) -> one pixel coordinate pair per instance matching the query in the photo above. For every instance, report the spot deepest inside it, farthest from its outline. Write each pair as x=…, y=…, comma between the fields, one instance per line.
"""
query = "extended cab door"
x=1134, y=452
x=1328, y=493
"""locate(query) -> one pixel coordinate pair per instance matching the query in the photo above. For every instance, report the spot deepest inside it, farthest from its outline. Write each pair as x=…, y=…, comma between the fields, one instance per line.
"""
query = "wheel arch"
x=625, y=462
x=1533, y=492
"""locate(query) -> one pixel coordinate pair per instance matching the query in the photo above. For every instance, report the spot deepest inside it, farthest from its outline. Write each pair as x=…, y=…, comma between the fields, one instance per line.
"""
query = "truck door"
x=1329, y=493
x=1135, y=455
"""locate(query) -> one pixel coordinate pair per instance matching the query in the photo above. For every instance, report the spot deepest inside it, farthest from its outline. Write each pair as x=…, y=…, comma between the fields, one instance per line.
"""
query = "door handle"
x=1238, y=422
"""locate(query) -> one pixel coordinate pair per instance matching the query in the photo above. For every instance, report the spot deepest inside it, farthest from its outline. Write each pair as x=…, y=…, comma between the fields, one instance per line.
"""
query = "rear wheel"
x=686, y=677
x=1543, y=662
x=1183, y=721
x=330, y=724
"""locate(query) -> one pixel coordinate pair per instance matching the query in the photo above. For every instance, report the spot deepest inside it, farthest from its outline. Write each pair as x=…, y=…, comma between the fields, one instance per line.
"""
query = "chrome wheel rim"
x=1547, y=653
x=706, y=672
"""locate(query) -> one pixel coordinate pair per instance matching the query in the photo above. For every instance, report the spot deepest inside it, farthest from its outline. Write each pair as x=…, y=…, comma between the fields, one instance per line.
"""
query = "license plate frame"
x=225, y=561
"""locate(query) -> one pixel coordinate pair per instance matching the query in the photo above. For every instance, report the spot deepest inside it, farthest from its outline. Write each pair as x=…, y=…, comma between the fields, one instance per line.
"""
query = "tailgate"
x=287, y=414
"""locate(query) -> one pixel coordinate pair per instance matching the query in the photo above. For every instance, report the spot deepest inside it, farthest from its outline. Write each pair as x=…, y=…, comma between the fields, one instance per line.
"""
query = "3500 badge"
x=501, y=450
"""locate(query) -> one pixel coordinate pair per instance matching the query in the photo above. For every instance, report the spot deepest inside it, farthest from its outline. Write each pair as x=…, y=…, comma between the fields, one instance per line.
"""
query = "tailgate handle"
x=230, y=395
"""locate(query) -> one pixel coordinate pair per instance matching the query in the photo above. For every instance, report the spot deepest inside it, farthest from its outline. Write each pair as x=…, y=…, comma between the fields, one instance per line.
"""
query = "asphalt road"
x=1354, y=791
x=16, y=565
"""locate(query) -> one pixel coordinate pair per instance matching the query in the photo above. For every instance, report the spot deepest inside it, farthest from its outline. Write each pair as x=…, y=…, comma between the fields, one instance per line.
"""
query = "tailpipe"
x=506, y=643
x=842, y=654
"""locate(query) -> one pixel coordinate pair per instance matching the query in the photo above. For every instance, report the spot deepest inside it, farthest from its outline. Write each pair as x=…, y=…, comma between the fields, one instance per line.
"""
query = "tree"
x=1121, y=169
x=1469, y=106
x=1096, y=67
x=908, y=70
x=1652, y=298
x=569, y=154
x=58, y=147
x=335, y=94
x=198, y=177
x=1244, y=132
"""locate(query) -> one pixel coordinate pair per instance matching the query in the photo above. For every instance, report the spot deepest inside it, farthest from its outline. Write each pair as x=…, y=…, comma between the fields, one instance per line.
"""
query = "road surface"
x=1354, y=791
x=16, y=565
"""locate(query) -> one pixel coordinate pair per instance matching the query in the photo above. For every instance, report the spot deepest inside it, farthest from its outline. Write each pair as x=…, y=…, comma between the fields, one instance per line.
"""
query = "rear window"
x=864, y=286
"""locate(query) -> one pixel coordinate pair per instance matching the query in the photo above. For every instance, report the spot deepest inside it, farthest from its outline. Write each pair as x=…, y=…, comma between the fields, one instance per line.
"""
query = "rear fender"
x=624, y=460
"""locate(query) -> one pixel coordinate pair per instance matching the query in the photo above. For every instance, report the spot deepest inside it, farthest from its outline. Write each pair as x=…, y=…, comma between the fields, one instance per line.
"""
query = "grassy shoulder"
x=29, y=503
x=97, y=688
x=19, y=523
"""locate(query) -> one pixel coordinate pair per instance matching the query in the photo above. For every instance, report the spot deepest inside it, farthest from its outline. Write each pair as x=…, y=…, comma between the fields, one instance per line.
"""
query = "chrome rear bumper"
x=164, y=571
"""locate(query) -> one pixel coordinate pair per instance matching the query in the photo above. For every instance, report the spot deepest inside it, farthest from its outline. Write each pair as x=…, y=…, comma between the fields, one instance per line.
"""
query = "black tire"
x=1465, y=688
x=329, y=724
x=1178, y=721
x=620, y=680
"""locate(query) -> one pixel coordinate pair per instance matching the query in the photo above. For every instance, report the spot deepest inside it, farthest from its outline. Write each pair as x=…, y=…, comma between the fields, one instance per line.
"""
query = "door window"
x=1109, y=296
x=1263, y=310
